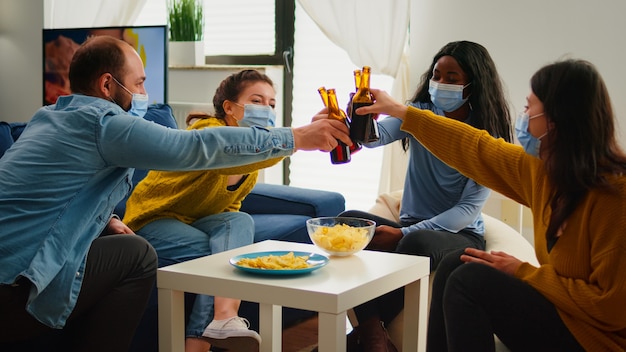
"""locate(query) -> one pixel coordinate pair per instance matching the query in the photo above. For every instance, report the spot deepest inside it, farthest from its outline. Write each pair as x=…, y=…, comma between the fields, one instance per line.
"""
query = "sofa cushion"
x=280, y=227
x=9, y=132
x=6, y=140
x=280, y=199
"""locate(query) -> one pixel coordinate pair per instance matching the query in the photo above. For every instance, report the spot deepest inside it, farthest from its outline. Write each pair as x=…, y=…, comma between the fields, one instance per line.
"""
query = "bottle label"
x=341, y=154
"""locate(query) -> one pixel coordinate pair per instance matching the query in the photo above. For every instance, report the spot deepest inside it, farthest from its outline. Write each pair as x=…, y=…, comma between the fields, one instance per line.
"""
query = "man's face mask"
x=139, y=103
x=447, y=97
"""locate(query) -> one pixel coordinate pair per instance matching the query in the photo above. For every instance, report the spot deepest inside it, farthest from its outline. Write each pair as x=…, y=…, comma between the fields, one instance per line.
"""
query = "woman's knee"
x=231, y=219
x=471, y=277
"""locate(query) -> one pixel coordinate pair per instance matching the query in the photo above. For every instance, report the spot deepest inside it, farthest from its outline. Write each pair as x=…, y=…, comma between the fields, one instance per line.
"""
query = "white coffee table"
x=332, y=290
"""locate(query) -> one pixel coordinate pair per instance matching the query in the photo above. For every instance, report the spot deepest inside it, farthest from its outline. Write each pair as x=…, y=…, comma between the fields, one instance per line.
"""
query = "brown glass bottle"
x=363, y=128
x=341, y=153
x=356, y=146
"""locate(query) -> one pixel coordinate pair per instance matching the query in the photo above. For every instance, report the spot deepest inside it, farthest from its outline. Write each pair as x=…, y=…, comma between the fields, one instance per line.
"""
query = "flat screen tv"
x=60, y=44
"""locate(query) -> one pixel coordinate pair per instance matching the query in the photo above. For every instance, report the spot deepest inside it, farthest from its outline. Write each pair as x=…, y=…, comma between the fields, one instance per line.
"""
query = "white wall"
x=21, y=72
x=522, y=36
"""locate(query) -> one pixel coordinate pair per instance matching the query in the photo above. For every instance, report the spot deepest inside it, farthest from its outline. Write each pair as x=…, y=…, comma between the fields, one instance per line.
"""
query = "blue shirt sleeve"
x=463, y=213
x=389, y=131
x=128, y=141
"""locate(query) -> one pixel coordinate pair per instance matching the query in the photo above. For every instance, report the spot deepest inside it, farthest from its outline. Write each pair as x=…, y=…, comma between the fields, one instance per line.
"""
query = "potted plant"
x=185, y=19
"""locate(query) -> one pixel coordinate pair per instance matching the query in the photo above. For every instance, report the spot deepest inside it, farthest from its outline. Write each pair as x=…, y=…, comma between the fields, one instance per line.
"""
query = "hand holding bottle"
x=363, y=128
x=341, y=153
x=321, y=115
x=384, y=104
x=323, y=134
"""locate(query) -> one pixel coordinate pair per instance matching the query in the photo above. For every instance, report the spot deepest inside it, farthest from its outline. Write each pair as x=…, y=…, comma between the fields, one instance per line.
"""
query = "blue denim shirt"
x=72, y=164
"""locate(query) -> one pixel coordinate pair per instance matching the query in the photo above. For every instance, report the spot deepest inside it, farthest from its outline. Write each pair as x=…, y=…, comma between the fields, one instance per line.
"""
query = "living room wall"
x=20, y=59
x=522, y=36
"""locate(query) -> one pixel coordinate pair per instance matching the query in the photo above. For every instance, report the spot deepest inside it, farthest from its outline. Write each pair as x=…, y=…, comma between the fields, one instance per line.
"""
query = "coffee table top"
x=343, y=283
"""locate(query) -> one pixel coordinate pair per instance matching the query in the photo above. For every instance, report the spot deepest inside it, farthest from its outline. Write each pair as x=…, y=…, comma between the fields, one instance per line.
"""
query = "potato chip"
x=276, y=262
x=340, y=238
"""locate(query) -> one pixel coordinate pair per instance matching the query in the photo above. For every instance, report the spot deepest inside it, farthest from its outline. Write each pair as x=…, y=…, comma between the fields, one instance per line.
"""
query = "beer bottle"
x=341, y=153
x=363, y=128
x=357, y=79
x=356, y=146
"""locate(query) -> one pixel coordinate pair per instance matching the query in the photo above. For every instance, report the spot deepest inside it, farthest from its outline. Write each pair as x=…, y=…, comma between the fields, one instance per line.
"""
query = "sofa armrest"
x=280, y=199
x=9, y=133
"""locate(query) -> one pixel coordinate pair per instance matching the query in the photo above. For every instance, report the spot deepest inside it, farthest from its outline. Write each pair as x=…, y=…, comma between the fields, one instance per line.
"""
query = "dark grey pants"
x=429, y=243
x=119, y=276
x=472, y=302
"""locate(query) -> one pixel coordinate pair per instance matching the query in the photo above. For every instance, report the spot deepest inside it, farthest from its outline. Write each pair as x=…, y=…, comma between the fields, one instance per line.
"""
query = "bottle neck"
x=333, y=106
x=363, y=93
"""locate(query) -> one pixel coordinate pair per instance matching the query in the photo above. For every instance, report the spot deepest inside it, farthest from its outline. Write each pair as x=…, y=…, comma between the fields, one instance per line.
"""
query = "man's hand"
x=495, y=259
x=116, y=226
x=385, y=239
x=322, y=114
x=321, y=134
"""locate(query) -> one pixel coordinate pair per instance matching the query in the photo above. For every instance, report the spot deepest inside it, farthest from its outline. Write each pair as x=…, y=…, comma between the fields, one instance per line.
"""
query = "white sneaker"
x=232, y=334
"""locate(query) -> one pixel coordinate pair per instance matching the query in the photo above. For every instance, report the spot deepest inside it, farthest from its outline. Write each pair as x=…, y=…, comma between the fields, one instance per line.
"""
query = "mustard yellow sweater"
x=189, y=195
x=584, y=273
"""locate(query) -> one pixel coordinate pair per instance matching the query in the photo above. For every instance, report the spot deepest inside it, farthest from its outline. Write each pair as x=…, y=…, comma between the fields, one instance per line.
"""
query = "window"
x=317, y=62
x=243, y=27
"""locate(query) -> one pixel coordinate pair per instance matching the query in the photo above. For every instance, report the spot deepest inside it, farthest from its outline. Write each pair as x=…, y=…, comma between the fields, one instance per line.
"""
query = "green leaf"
x=185, y=20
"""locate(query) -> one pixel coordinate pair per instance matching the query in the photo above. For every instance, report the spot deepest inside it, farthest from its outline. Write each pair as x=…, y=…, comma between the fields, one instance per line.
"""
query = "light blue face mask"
x=447, y=97
x=139, y=103
x=257, y=115
x=530, y=143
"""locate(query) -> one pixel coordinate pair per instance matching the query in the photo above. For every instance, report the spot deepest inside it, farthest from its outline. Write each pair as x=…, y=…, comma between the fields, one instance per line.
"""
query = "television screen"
x=60, y=44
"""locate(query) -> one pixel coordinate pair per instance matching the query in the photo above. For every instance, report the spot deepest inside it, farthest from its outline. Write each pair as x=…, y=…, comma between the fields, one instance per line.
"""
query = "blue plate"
x=315, y=261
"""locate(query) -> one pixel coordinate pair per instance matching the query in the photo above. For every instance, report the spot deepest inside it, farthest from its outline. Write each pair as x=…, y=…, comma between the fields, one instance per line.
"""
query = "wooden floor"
x=301, y=337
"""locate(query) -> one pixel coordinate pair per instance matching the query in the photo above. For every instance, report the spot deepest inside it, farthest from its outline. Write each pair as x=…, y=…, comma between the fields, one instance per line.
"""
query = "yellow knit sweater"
x=584, y=273
x=189, y=195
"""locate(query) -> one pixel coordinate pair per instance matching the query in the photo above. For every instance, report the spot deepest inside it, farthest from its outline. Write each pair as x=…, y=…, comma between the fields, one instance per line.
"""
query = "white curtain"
x=373, y=33
x=91, y=13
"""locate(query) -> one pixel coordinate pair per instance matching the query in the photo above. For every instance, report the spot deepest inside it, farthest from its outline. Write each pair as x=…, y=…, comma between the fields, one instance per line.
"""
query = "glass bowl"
x=340, y=236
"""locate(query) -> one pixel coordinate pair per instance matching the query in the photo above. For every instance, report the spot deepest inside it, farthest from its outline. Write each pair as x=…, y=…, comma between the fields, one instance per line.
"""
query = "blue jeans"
x=177, y=242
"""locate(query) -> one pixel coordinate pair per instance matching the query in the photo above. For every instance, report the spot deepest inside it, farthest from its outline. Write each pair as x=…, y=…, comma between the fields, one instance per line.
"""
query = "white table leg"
x=415, y=315
x=270, y=327
x=171, y=320
x=332, y=332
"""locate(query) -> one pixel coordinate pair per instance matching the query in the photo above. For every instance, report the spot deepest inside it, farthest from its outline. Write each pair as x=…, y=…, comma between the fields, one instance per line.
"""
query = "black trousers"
x=119, y=276
x=429, y=243
x=472, y=302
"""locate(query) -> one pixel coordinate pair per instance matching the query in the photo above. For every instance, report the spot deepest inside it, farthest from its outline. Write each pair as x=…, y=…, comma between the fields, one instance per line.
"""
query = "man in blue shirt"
x=67, y=263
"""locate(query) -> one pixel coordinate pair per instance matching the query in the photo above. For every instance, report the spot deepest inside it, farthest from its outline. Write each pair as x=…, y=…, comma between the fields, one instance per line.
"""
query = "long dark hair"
x=231, y=87
x=487, y=98
x=583, y=149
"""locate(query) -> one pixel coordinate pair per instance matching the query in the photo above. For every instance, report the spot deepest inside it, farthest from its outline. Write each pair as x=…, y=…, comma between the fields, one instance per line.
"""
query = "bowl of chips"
x=340, y=236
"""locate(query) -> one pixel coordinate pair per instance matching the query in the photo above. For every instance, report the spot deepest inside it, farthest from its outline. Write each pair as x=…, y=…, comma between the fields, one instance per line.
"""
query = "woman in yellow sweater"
x=190, y=214
x=572, y=174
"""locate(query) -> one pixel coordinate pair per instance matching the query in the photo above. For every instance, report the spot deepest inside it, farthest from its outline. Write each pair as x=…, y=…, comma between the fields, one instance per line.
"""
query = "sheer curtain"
x=373, y=33
x=92, y=13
